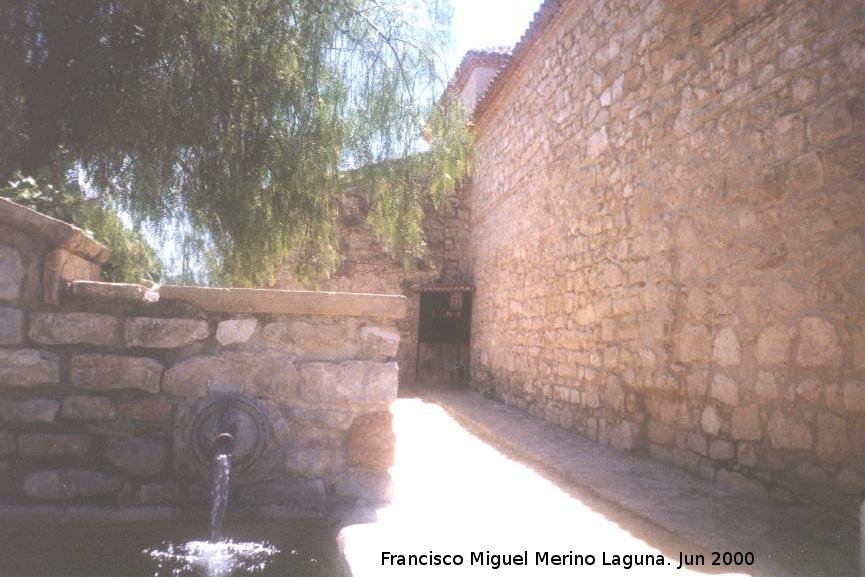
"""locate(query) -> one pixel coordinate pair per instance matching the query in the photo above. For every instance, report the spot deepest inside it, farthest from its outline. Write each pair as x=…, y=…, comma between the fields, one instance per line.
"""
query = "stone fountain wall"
x=99, y=381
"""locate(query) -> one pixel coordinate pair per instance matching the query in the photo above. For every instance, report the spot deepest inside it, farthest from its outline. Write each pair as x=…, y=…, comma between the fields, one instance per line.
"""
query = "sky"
x=485, y=23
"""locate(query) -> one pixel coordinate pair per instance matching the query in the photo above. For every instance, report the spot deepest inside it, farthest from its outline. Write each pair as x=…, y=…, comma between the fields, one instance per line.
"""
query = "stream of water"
x=219, y=494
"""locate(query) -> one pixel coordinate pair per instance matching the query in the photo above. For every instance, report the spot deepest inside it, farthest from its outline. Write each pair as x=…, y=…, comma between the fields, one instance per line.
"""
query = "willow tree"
x=237, y=119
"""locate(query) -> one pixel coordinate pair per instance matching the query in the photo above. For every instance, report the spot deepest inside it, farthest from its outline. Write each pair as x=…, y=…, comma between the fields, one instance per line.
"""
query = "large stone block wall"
x=668, y=236
x=368, y=265
x=99, y=385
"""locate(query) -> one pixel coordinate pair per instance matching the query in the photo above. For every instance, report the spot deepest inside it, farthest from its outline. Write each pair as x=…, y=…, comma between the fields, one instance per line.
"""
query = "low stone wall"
x=99, y=384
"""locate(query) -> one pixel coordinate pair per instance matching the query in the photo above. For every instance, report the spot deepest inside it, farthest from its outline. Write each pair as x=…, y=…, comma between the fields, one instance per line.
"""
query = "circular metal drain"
x=236, y=415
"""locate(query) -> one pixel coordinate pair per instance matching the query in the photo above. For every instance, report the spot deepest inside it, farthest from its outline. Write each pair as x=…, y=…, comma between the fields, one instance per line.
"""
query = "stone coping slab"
x=58, y=233
x=789, y=540
x=251, y=301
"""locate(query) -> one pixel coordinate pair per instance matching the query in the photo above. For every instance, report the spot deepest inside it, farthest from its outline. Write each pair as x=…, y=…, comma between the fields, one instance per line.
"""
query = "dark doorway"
x=444, y=332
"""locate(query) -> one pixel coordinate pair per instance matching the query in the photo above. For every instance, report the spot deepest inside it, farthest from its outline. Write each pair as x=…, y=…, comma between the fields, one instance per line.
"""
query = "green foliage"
x=132, y=258
x=230, y=123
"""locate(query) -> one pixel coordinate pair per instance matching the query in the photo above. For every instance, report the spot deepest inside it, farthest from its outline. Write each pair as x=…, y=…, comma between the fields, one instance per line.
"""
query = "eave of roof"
x=544, y=16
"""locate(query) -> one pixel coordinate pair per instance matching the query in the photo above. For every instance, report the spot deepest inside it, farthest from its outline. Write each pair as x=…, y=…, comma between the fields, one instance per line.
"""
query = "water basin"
x=168, y=549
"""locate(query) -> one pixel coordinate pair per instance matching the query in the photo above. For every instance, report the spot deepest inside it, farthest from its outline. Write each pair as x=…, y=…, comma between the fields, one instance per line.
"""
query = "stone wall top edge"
x=56, y=232
x=251, y=300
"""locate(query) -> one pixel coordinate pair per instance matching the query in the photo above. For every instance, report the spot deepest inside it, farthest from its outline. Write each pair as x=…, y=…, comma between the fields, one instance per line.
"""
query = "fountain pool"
x=168, y=549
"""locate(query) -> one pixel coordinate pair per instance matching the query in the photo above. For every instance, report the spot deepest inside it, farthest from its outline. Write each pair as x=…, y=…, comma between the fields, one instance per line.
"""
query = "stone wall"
x=100, y=383
x=367, y=265
x=667, y=234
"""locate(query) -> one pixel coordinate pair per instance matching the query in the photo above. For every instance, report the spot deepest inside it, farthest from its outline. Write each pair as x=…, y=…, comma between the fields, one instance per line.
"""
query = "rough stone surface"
x=233, y=331
x=371, y=441
x=11, y=322
x=378, y=342
x=157, y=333
x=831, y=442
x=854, y=396
x=81, y=408
x=818, y=344
x=73, y=329
x=29, y=411
x=359, y=381
x=11, y=273
x=746, y=424
x=28, y=367
x=61, y=484
x=105, y=372
x=148, y=410
x=773, y=345
x=665, y=193
x=365, y=485
x=265, y=374
x=167, y=493
x=787, y=433
x=137, y=456
x=725, y=390
x=314, y=340
x=727, y=352
x=52, y=445
x=710, y=420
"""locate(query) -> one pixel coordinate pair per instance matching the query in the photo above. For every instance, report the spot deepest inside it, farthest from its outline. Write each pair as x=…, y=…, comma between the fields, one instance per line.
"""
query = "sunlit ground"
x=453, y=494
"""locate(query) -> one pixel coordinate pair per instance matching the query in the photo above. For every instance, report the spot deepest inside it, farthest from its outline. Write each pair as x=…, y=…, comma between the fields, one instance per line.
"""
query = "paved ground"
x=456, y=494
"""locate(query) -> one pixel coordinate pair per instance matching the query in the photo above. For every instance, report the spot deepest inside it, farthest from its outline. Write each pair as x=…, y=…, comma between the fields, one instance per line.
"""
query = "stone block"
x=311, y=461
x=29, y=411
x=73, y=329
x=788, y=433
x=832, y=445
x=773, y=345
x=28, y=368
x=283, y=491
x=61, y=268
x=319, y=341
x=829, y=122
x=367, y=485
x=379, y=342
x=11, y=323
x=371, y=441
x=263, y=374
x=726, y=350
x=107, y=372
x=721, y=450
x=746, y=454
x=52, y=445
x=337, y=419
x=746, y=424
x=725, y=390
x=710, y=421
x=167, y=493
x=818, y=344
x=62, y=484
x=694, y=344
x=11, y=273
x=81, y=408
x=854, y=396
x=358, y=381
x=148, y=410
x=155, y=333
x=234, y=331
x=137, y=456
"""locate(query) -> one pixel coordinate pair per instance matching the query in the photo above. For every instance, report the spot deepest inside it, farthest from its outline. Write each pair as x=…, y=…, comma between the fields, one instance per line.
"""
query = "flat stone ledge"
x=58, y=233
x=112, y=291
x=252, y=301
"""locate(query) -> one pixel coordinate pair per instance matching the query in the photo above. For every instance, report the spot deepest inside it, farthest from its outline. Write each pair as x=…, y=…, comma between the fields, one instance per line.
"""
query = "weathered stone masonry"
x=668, y=235
x=98, y=382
